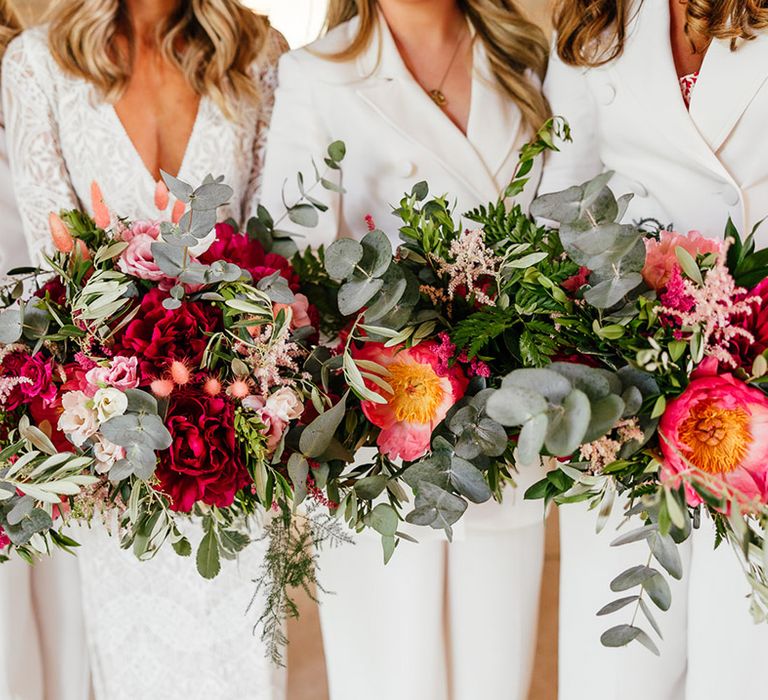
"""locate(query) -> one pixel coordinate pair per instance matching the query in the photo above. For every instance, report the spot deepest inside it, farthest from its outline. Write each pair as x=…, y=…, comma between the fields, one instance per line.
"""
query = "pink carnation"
x=717, y=432
x=137, y=259
x=661, y=259
x=122, y=373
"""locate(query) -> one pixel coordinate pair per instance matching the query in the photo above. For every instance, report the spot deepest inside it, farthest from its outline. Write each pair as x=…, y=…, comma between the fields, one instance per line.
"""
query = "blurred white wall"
x=300, y=21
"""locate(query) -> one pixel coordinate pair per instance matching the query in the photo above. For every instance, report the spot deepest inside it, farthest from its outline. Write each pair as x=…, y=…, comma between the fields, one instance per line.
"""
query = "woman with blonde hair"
x=672, y=96
x=445, y=91
x=114, y=91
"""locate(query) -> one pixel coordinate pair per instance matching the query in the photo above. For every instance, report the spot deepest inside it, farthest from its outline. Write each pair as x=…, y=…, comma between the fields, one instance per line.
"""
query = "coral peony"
x=718, y=424
x=661, y=259
x=424, y=390
x=204, y=462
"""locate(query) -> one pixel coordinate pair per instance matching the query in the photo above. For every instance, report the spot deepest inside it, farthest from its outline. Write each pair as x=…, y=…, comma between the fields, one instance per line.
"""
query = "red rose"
x=158, y=336
x=574, y=283
x=745, y=351
x=55, y=289
x=204, y=462
x=38, y=373
x=248, y=254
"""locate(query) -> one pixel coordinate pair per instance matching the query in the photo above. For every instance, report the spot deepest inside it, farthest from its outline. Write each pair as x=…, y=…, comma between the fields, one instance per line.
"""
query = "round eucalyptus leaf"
x=531, y=440
x=605, y=414
x=377, y=253
x=593, y=382
x=10, y=326
x=353, y=296
x=424, y=516
x=619, y=636
x=567, y=425
x=342, y=257
x=468, y=480
x=371, y=487
x=384, y=519
x=555, y=387
x=611, y=292
x=427, y=470
x=633, y=401
x=515, y=406
x=392, y=292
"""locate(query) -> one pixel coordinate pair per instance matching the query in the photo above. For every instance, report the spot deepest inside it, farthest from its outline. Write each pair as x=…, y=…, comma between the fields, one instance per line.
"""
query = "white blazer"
x=396, y=136
x=394, y=133
x=690, y=169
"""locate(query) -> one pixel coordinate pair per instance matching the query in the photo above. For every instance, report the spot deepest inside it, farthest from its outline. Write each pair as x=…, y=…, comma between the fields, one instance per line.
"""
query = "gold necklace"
x=437, y=95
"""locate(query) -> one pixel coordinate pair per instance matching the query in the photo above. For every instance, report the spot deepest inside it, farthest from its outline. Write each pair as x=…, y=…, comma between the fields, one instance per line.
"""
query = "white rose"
x=285, y=405
x=109, y=403
x=106, y=454
x=79, y=420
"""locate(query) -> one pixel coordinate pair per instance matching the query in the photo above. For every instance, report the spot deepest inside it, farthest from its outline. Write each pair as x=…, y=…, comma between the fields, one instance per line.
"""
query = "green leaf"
x=619, y=636
x=342, y=257
x=632, y=577
x=665, y=552
x=605, y=413
x=531, y=440
x=688, y=265
x=384, y=519
x=316, y=437
x=567, y=426
x=337, y=151
x=298, y=470
x=182, y=547
x=371, y=486
x=468, y=480
x=208, y=559
x=617, y=605
x=304, y=215
x=514, y=406
x=553, y=386
x=353, y=296
x=658, y=590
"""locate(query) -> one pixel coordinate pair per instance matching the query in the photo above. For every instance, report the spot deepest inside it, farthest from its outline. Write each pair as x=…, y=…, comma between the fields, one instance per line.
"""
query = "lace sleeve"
x=40, y=176
x=267, y=77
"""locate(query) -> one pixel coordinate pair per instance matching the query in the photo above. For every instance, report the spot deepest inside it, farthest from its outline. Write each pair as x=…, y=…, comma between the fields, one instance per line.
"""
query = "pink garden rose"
x=718, y=424
x=122, y=373
x=141, y=228
x=424, y=390
x=300, y=310
x=137, y=259
x=273, y=424
x=660, y=257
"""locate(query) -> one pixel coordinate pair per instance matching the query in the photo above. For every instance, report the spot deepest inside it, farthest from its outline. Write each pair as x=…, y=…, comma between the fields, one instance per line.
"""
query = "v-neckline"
x=135, y=151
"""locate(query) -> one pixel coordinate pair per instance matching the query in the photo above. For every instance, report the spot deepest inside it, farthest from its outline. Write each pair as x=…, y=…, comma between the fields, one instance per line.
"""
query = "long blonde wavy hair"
x=10, y=25
x=593, y=32
x=512, y=42
x=212, y=42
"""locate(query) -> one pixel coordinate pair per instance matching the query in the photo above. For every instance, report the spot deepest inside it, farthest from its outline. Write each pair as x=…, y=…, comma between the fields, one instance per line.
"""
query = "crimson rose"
x=38, y=379
x=204, y=461
x=745, y=351
x=248, y=254
x=157, y=336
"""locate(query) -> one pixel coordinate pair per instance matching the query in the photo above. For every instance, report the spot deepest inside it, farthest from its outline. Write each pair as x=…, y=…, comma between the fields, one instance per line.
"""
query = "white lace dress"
x=155, y=629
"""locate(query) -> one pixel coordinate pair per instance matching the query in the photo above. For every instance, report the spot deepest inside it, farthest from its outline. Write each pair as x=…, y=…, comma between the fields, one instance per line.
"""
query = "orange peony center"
x=718, y=438
x=417, y=392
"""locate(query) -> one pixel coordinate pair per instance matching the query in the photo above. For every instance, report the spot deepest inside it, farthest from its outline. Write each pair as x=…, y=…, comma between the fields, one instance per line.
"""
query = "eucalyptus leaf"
x=353, y=296
x=568, y=425
x=316, y=437
x=342, y=257
x=514, y=406
x=468, y=480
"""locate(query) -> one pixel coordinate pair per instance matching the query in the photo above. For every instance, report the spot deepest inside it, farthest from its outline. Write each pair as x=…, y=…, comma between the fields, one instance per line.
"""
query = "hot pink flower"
x=4, y=541
x=36, y=373
x=424, y=390
x=719, y=425
x=660, y=257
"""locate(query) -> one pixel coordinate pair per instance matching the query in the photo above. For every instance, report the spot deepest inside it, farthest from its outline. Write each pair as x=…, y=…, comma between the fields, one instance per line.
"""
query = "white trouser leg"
x=383, y=626
x=586, y=668
x=494, y=578
x=727, y=651
x=20, y=663
x=57, y=596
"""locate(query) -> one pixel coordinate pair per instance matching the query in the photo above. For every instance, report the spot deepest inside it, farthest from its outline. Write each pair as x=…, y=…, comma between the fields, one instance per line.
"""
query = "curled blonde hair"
x=10, y=25
x=513, y=44
x=593, y=32
x=212, y=42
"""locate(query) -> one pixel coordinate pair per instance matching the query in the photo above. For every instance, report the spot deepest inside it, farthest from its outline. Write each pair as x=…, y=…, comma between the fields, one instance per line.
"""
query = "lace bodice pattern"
x=154, y=629
x=62, y=137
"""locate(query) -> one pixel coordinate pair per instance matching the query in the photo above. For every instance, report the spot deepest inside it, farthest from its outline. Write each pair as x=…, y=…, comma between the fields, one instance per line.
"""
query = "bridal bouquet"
x=155, y=369
x=630, y=357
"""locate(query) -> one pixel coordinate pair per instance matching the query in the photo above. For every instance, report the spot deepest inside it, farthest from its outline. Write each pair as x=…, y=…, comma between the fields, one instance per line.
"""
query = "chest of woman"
x=690, y=165
x=96, y=146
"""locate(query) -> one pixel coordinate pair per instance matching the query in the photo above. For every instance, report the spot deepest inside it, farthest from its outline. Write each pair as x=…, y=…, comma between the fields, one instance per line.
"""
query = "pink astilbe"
x=8, y=384
x=711, y=308
x=605, y=450
x=472, y=261
x=269, y=354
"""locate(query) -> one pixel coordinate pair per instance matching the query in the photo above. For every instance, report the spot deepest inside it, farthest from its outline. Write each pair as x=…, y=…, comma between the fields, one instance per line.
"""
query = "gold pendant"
x=438, y=98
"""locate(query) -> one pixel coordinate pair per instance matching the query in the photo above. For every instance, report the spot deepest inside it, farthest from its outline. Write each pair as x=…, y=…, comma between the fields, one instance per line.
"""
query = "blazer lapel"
x=388, y=87
x=647, y=69
x=495, y=120
x=728, y=82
